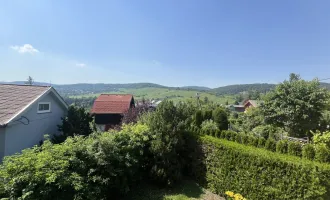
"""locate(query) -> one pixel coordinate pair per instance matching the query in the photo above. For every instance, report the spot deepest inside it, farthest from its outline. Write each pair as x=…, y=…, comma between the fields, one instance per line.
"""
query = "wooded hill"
x=89, y=88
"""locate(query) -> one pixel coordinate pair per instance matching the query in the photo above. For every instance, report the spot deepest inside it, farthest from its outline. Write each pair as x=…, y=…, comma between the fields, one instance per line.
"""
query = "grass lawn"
x=188, y=190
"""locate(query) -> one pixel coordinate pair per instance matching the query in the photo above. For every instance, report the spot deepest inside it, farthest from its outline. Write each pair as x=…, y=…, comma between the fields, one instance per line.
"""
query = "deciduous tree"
x=296, y=105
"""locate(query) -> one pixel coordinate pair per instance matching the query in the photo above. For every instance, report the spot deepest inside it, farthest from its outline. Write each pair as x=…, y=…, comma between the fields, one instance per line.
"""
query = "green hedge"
x=260, y=174
x=308, y=151
x=294, y=148
x=270, y=144
x=282, y=146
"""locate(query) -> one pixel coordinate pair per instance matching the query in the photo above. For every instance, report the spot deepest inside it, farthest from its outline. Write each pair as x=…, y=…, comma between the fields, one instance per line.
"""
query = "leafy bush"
x=322, y=153
x=218, y=134
x=208, y=126
x=97, y=167
x=282, y=146
x=207, y=115
x=213, y=133
x=270, y=144
x=223, y=134
x=308, y=151
x=167, y=125
x=233, y=135
x=77, y=122
x=229, y=134
x=322, y=138
x=198, y=118
x=238, y=137
x=260, y=174
x=269, y=131
x=132, y=115
x=220, y=117
x=253, y=141
x=261, y=142
x=294, y=148
x=244, y=139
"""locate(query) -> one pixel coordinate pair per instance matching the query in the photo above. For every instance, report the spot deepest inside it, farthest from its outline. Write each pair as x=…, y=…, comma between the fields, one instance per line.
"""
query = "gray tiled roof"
x=13, y=98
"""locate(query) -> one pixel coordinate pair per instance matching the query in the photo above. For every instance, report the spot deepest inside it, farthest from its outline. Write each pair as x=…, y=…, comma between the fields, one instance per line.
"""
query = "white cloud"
x=26, y=48
x=81, y=65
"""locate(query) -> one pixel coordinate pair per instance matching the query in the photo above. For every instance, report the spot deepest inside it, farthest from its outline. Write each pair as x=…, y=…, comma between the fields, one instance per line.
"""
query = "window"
x=43, y=107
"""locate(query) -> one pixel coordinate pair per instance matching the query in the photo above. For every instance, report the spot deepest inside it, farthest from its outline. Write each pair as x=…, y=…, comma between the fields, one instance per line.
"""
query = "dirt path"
x=209, y=196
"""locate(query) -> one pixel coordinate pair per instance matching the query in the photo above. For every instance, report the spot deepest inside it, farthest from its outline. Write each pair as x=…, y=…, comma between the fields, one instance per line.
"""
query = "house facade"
x=27, y=113
x=108, y=109
x=245, y=105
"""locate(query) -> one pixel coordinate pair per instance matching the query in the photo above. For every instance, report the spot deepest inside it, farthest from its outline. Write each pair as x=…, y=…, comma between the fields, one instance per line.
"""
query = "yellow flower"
x=229, y=193
x=238, y=197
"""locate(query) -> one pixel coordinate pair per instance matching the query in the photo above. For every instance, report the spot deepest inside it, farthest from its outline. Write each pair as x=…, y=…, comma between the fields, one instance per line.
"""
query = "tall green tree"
x=77, y=122
x=296, y=105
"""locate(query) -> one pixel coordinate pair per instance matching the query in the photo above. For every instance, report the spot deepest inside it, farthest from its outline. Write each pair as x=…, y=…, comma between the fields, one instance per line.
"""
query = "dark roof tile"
x=13, y=98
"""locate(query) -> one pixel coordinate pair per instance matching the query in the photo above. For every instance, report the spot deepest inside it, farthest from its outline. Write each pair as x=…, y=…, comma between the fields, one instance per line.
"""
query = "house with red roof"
x=108, y=109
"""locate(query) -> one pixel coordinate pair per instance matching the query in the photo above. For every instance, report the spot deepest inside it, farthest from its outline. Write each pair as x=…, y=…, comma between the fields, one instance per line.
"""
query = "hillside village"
x=232, y=150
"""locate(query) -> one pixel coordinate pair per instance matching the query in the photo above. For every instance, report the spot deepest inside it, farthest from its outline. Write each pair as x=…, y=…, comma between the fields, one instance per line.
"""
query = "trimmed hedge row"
x=259, y=174
x=307, y=151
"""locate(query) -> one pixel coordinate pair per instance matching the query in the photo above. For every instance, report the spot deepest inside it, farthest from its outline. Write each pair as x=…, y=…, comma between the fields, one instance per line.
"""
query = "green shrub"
x=97, y=167
x=77, y=122
x=208, y=126
x=198, y=118
x=282, y=146
x=207, y=115
x=214, y=133
x=252, y=140
x=167, y=125
x=261, y=142
x=218, y=134
x=244, y=139
x=229, y=135
x=220, y=117
x=322, y=138
x=270, y=144
x=223, y=134
x=294, y=148
x=268, y=131
x=238, y=137
x=322, y=153
x=233, y=136
x=259, y=174
x=308, y=151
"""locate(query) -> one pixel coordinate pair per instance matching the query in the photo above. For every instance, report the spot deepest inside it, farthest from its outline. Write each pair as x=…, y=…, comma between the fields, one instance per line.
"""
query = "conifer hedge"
x=260, y=174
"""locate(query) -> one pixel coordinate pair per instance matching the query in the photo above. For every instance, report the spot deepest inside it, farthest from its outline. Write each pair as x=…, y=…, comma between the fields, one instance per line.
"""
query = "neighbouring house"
x=236, y=108
x=27, y=113
x=245, y=105
x=252, y=103
x=108, y=109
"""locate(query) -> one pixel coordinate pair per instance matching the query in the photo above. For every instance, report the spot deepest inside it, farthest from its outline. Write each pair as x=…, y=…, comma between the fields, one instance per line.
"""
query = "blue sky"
x=170, y=42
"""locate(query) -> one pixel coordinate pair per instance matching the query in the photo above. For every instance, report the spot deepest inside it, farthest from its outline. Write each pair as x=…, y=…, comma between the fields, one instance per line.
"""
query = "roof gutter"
x=3, y=125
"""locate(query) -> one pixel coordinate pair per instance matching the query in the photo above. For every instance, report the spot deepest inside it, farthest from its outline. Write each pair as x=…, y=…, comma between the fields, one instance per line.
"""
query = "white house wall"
x=20, y=136
x=2, y=142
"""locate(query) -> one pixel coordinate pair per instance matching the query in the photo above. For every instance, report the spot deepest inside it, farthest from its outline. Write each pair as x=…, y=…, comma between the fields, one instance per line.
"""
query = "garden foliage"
x=259, y=174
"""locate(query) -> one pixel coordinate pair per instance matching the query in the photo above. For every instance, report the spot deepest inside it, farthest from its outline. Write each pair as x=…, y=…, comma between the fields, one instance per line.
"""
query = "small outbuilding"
x=108, y=109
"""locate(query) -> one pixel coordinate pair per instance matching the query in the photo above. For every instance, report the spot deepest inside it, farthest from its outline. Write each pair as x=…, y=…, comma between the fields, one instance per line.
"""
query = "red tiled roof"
x=112, y=104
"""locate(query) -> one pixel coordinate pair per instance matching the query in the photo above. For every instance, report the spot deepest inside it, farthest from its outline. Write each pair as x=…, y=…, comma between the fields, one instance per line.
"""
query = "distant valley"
x=225, y=94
